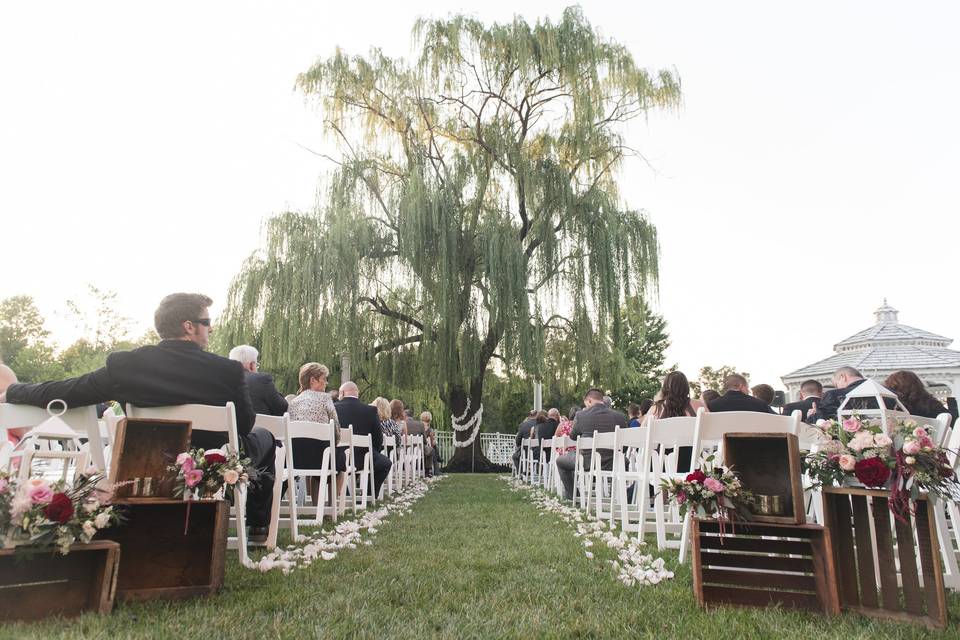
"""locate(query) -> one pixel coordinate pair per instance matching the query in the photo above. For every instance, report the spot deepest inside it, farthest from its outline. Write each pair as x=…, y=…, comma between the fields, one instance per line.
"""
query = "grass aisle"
x=473, y=560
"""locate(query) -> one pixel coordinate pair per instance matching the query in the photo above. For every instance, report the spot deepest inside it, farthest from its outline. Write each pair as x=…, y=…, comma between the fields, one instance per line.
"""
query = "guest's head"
x=572, y=413
x=313, y=377
x=554, y=414
x=709, y=396
x=735, y=382
x=541, y=416
x=845, y=376
x=334, y=394
x=912, y=392
x=633, y=411
x=674, y=396
x=532, y=414
x=810, y=389
x=396, y=409
x=349, y=389
x=426, y=418
x=763, y=392
x=383, y=408
x=645, y=405
x=245, y=355
x=184, y=316
x=592, y=397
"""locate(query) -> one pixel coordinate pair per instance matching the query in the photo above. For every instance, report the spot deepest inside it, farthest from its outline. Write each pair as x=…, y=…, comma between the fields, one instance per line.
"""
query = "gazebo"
x=886, y=347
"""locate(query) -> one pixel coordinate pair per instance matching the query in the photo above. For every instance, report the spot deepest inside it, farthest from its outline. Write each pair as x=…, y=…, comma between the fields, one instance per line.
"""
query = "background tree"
x=711, y=378
x=645, y=343
x=475, y=187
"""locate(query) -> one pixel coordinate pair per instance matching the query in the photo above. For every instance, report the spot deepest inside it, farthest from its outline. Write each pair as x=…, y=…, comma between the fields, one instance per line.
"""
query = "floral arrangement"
x=213, y=473
x=36, y=513
x=711, y=491
x=907, y=461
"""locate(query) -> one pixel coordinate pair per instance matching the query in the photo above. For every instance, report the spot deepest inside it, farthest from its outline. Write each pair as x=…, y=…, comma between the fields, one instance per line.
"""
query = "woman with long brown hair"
x=914, y=395
x=673, y=401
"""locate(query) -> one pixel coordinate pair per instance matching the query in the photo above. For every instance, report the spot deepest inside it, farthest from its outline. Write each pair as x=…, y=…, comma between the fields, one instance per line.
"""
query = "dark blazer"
x=803, y=405
x=363, y=417
x=170, y=373
x=264, y=395
x=833, y=398
x=523, y=431
x=545, y=430
x=737, y=401
x=600, y=418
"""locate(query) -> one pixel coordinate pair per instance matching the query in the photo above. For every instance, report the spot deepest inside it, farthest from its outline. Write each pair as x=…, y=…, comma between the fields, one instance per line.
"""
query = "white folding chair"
x=363, y=470
x=527, y=446
x=283, y=464
x=350, y=475
x=546, y=456
x=53, y=442
x=629, y=446
x=713, y=426
x=326, y=501
x=601, y=489
x=582, y=479
x=948, y=514
x=217, y=420
x=560, y=444
x=391, y=450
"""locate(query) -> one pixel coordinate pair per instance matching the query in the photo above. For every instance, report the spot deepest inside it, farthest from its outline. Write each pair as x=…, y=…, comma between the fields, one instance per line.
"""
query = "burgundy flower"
x=60, y=509
x=872, y=472
x=214, y=457
x=697, y=476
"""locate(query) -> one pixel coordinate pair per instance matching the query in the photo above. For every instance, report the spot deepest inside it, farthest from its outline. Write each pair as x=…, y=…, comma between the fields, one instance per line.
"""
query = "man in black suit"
x=597, y=416
x=523, y=431
x=810, y=393
x=365, y=421
x=176, y=371
x=264, y=396
x=736, y=397
x=845, y=380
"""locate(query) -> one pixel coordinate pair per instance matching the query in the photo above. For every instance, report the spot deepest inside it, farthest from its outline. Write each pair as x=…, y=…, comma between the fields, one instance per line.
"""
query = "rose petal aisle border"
x=633, y=567
x=347, y=534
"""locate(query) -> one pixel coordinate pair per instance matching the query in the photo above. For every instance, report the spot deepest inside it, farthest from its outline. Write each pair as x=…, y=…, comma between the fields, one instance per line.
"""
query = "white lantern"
x=872, y=389
x=52, y=439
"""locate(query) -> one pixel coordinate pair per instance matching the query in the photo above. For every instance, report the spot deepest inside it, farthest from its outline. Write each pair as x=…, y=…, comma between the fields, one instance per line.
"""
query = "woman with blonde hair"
x=313, y=404
x=429, y=444
x=390, y=427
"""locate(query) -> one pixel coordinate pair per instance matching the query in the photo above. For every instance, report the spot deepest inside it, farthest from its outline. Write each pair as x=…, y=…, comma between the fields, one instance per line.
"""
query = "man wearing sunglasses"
x=176, y=371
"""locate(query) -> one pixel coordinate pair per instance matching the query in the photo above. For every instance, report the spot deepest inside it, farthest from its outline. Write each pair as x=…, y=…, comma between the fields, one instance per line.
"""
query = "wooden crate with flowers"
x=738, y=561
x=50, y=564
x=177, y=516
x=879, y=480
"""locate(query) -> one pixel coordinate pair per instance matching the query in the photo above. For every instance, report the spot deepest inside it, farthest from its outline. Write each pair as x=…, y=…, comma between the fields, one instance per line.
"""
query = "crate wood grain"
x=171, y=549
x=144, y=448
x=41, y=584
x=764, y=564
x=870, y=543
x=769, y=464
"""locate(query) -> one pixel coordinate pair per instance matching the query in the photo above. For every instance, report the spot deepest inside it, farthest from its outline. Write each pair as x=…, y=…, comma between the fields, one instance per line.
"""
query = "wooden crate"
x=45, y=584
x=790, y=566
x=159, y=560
x=866, y=547
x=143, y=448
x=769, y=464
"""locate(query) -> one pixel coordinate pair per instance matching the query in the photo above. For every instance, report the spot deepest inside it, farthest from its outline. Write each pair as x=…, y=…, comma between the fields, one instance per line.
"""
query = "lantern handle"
x=52, y=412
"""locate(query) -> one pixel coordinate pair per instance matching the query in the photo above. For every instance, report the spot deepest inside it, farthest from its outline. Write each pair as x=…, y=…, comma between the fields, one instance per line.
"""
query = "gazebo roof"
x=886, y=346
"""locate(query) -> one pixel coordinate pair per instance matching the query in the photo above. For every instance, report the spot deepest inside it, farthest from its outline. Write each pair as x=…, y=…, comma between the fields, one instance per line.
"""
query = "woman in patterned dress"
x=314, y=404
x=390, y=427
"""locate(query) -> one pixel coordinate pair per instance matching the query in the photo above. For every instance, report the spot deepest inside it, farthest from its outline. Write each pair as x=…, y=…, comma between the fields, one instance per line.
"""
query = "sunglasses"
x=204, y=321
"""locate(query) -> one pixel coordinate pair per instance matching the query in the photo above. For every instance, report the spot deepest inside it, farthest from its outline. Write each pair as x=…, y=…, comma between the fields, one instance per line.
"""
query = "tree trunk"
x=470, y=459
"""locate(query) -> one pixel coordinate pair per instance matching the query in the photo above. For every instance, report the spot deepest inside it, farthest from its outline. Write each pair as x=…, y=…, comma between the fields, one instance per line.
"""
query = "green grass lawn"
x=473, y=560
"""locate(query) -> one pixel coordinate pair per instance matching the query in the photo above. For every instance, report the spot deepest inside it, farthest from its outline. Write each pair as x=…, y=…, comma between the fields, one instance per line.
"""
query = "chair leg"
x=951, y=574
x=240, y=511
x=684, y=535
x=279, y=463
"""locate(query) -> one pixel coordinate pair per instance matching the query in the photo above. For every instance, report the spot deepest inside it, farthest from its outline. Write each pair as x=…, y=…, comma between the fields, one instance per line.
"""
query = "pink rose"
x=188, y=465
x=41, y=494
x=713, y=485
x=851, y=425
x=681, y=497
x=3, y=485
x=882, y=440
x=862, y=440
x=926, y=442
x=230, y=476
x=193, y=477
x=847, y=463
x=911, y=447
x=920, y=432
x=183, y=457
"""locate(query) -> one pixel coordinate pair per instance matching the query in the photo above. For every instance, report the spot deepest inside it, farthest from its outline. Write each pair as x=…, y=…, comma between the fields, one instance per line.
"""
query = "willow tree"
x=472, y=206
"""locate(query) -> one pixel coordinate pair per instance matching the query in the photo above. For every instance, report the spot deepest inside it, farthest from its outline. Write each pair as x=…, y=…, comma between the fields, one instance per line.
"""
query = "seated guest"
x=810, y=392
x=263, y=394
x=736, y=397
x=914, y=395
x=176, y=371
x=398, y=415
x=417, y=428
x=845, y=380
x=313, y=404
x=675, y=402
x=596, y=416
x=365, y=422
x=709, y=396
x=548, y=427
x=764, y=392
x=388, y=425
x=633, y=412
x=564, y=429
x=429, y=444
x=526, y=429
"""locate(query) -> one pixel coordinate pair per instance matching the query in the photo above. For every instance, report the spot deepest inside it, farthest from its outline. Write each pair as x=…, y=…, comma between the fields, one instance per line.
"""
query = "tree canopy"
x=473, y=207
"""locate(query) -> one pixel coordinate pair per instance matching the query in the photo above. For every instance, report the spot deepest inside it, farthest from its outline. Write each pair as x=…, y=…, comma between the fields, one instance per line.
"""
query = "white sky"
x=810, y=173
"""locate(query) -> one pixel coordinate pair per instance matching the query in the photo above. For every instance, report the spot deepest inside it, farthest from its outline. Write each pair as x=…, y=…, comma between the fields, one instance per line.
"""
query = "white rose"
x=89, y=529
x=102, y=519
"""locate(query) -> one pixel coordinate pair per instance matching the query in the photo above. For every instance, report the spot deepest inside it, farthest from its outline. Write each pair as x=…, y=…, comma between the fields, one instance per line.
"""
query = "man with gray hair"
x=365, y=422
x=845, y=379
x=263, y=392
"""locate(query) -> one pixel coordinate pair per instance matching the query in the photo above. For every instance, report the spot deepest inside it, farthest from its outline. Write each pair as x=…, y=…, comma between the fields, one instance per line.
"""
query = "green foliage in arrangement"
x=473, y=209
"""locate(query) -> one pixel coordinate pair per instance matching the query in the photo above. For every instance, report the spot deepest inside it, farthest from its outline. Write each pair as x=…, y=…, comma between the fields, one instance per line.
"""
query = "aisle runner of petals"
x=633, y=567
x=347, y=534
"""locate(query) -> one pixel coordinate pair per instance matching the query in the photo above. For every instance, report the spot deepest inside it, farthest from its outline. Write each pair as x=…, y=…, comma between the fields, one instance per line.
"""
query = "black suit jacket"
x=833, y=398
x=523, y=431
x=737, y=401
x=600, y=418
x=802, y=405
x=363, y=417
x=545, y=430
x=170, y=373
x=264, y=395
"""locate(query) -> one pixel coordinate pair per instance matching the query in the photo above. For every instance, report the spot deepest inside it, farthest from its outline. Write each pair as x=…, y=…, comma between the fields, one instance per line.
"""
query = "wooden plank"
x=864, y=542
x=756, y=598
x=838, y=508
x=804, y=531
x=754, y=579
x=769, y=563
x=769, y=463
x=759, y=545
x=909, y=578
x=697, y=566
x=825, y=574
x=889, y=590
x=929, y=546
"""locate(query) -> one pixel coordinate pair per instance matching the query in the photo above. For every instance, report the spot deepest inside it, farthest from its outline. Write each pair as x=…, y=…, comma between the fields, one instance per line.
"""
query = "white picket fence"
x=498, y=447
